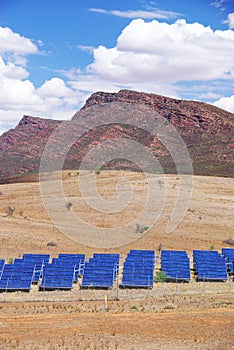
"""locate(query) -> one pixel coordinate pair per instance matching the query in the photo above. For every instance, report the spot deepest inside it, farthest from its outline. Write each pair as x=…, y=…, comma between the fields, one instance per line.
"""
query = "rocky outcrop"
x=206, y=130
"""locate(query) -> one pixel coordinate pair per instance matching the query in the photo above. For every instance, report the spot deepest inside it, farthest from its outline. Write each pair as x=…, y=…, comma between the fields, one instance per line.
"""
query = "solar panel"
x=15, y=277
x=57, y=277
x=209, y=265
x=77, y=260
x=228, y=254
x=36, y=260
x=138, y=269
x=2, y=262
x=175, y=265
x=101, y=271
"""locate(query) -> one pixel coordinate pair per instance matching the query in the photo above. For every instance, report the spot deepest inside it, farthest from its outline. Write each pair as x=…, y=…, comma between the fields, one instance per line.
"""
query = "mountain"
x=206, y=130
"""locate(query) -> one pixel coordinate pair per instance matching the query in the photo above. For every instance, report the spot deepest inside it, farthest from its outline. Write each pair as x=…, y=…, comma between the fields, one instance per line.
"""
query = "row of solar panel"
x=175, y=265
x=209, y=265
x=138, y=269
x=102, y=270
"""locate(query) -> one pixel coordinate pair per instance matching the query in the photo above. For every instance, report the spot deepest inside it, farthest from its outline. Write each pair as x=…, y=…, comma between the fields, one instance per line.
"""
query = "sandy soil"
x=184, y=316
x=208, y=221
x=175, y=323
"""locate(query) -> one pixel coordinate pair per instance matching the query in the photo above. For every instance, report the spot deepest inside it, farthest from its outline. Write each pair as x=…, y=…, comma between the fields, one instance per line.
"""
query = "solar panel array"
x=209, y=265
x=175, y=265
x=138, y=269
x=75, y=260
x=62, y=272
x=228, y=254
x=57, y=277
x=2, y=262
x=101, y=271
x=35, y=260
x=15, y=277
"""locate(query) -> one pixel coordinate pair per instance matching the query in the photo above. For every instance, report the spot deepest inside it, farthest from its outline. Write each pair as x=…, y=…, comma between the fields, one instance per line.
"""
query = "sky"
x=54, y=53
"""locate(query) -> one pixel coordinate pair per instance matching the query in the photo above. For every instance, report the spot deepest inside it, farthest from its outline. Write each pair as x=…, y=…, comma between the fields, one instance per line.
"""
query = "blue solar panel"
x=2, y=262
x=175, y=265
x=57, y=277
x=228, y=254
x=101, y=271
x=209, y=265
x=138, y=269
x=36, y=260
x=76, y=260
x=15, y=277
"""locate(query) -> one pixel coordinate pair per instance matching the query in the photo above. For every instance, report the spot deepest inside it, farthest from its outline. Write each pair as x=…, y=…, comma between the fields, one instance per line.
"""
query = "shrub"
x=141, y=228
x=160, y=277
x=10, y=260
x=68, y=205
x=10, y=211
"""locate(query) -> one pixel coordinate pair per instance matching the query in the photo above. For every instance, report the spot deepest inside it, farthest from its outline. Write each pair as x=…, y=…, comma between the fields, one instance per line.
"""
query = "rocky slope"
x=206, y=130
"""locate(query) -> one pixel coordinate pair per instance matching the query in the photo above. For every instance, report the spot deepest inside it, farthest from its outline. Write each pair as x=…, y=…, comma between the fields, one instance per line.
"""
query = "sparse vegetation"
x=10, y=211
x=141, y=228
x=10, y=260
x=68, y=205
x=160, y=277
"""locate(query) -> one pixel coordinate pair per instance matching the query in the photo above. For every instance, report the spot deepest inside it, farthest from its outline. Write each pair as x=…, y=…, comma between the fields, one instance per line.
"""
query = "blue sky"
x=54, y=54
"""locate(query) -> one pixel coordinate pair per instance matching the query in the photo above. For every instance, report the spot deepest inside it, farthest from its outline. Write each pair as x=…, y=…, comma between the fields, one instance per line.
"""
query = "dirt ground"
x=185, y=316
x=194, y=322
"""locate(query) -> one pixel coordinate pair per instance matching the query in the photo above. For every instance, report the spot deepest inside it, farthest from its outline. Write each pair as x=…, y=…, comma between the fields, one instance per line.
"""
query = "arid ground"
x=170, y=316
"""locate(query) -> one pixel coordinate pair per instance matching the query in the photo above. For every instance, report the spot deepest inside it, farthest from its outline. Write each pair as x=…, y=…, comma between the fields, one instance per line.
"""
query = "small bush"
x=169, y=307
x=68, y=205
x=141, y=228
x=10, y=260
x=10, y=211
x=160, y=277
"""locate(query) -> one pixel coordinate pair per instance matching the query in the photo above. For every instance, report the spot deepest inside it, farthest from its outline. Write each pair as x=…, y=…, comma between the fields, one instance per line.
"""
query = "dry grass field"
x=185, y=316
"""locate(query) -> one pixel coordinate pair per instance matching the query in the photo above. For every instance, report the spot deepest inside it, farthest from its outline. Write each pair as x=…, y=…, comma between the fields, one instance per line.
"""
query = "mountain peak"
x=206, y=130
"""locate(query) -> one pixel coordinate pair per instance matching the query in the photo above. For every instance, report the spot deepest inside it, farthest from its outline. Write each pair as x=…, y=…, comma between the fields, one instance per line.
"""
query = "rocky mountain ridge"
x=206, y=130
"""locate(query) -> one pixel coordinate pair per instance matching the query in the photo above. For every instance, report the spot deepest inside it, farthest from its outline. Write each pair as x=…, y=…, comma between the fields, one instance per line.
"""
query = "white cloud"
x=148, y=57
x=157, y=51
x=13, y=42
x=11, y=70
x=230, y=20
x=93, y=83
x=18, y=95
x=209, y=95
x=152, y=14
x=226, y=103
x=219, y=4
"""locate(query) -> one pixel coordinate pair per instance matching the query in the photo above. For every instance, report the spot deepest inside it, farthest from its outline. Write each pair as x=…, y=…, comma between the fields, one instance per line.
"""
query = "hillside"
x=208, y=221
x=206, y=130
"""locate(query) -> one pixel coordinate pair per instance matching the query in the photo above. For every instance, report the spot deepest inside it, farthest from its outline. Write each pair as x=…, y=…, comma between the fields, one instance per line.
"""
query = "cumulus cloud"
x=147, y=51
x=13, y=42
x=18, y=95
x=230, y=20
x=226, y=103
x=148, y=57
